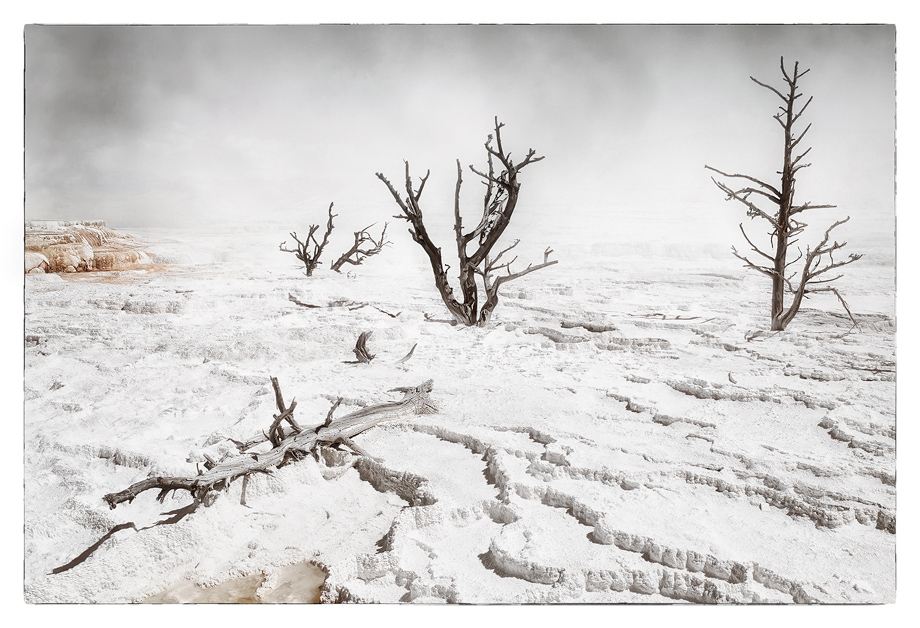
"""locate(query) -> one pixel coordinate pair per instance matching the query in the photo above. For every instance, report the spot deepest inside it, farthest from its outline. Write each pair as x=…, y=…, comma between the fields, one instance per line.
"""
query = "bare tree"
x=310, y=249
x=499, y=202
x=356, y=255
x=786, y=220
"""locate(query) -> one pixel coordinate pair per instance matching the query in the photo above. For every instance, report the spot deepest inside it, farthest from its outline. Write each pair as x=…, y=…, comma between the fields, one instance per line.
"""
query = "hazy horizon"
x=192, y=126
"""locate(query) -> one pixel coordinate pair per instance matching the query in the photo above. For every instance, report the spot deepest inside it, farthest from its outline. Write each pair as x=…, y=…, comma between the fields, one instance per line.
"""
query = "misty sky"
x=185, y=126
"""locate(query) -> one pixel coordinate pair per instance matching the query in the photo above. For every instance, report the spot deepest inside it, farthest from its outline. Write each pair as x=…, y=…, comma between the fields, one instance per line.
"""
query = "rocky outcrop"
x=36, y=263
x=53, y=246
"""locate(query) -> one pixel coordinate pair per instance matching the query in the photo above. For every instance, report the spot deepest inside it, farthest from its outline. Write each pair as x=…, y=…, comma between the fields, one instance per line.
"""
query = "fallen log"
x=296, y=445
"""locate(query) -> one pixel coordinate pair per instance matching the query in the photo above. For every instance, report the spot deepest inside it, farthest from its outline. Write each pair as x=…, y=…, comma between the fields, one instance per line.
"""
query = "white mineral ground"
x=671, y=454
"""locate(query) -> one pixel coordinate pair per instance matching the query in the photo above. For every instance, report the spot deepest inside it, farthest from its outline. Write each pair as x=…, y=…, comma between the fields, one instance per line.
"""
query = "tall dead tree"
x=356, y=255
x=786, y=220
x=499, y=202
x=310, y=249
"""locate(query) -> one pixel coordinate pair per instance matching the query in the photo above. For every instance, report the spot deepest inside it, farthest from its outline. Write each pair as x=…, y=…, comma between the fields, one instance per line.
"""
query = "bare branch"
x=753, y=210
x=502, y=252
x=490, y=178
x=797, y=209
x=839, y=298
x=775, y=192
x=788, y=264
x=458, y=219
x=772, y=89
x=797, y=159
x=769, y=272
x=356, y=255
x=408, y=355
x=329, y=414
x=782, y=67
x=396, y=196
x=753, y=246
x=852, y=258
x=530, y=268
x=796, y=141
x=749, y=264
x=320, y=248
x=802, y=110
x=421, y=185
x=817, y=281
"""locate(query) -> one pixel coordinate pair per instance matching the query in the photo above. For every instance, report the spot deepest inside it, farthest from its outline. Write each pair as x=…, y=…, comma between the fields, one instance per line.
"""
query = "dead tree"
x=499, y=202
x=286, y=446
x=310, y=249
x=786, y=219
x=356, y=255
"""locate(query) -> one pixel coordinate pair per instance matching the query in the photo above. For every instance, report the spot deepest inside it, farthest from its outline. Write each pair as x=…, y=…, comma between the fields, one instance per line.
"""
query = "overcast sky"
x=181, y=126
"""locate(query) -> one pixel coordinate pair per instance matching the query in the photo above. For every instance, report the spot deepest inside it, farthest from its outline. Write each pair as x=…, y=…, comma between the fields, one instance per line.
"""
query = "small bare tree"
x=356, y=255
x=499, y=202
x=310, y=249
x=786, y=220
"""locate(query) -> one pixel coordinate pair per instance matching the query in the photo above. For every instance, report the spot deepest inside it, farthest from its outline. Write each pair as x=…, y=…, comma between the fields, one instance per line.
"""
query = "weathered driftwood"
x=295, y=445
x=408, y=355
x=346, y=303
x=357, y=306
x=291, y=297
x=666, y=317
x=361, y=352
x=365, y=356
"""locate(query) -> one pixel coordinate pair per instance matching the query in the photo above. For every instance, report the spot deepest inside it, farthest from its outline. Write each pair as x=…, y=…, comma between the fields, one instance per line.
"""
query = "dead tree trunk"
x=310, y=249
x=293, y=445
x=364, y=356
x=356, y=255
x=785, y=221
x=499, y=202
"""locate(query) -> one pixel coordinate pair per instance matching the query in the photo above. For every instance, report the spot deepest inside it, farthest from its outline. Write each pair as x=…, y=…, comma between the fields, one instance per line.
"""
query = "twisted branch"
x=356, y=255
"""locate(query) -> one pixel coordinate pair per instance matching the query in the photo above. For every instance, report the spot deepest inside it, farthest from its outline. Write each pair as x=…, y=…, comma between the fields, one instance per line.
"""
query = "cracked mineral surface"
x=624, y=431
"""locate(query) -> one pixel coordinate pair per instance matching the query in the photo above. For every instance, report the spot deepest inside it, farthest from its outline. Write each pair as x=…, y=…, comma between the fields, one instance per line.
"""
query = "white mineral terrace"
x=624, y=431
